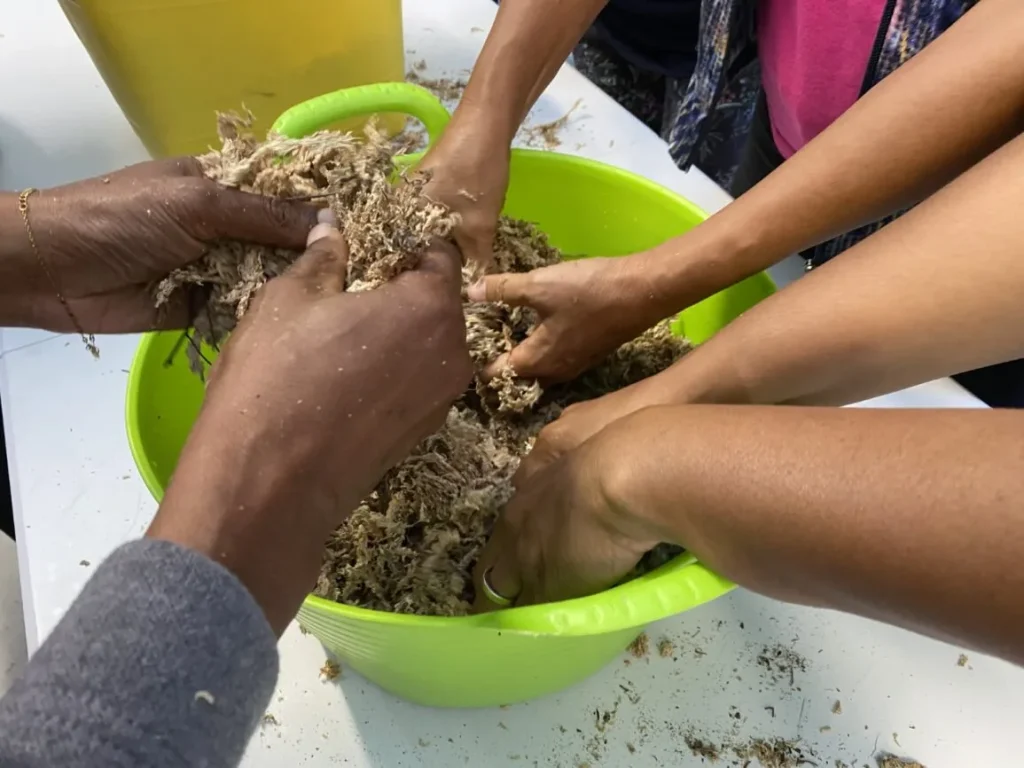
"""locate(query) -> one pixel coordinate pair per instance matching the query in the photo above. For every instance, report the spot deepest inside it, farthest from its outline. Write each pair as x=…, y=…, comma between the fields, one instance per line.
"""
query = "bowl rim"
x=679, y=585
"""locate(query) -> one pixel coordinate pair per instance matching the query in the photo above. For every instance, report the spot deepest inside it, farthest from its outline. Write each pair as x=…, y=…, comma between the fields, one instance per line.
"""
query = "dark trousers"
x=1000, y=386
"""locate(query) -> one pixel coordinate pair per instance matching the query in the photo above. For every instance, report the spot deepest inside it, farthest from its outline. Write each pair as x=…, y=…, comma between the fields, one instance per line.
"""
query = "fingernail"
x=477, y=291
x=319, y=232
x=326, y=216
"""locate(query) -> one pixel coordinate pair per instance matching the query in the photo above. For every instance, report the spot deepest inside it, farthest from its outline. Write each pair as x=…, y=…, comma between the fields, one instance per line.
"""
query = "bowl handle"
x=364, y=100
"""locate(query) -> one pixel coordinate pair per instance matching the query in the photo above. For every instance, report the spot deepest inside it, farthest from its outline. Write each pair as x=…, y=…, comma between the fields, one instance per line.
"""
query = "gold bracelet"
x=88, y=339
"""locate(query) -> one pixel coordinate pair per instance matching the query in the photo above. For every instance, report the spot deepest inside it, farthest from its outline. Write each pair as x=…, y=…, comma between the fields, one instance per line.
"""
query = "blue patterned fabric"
x=706, y=118
x=914, y=25
x=727, y=29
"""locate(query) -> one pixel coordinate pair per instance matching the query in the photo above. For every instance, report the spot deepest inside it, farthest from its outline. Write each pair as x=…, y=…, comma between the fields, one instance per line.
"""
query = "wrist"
x=19, y=270
x=622, y=481
x=719, y=252
x=657, y=483
x=710, y=374
x=34, y=232
x=703, y=376
x=489, y=123
x=679, y=485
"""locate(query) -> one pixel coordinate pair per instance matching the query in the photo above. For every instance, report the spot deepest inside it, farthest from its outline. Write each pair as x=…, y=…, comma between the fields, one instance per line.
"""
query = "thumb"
x=444, y=261
x=525, y=359
x=325, y=261
x=508, y=288
x=229, y=214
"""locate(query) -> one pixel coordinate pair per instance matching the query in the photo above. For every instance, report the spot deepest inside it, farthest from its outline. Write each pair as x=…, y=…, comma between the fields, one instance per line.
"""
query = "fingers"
x=497, y=575
x=443, y=259
x=428, y=299
x=175, y=166
x=513, y=289
x=536, y=461
x=326, y=225
x=527, y=359
x=554, y=441
x=325, y=262
x=479, y=251
x=218, y=212
x=441, y=265
x=495, y=368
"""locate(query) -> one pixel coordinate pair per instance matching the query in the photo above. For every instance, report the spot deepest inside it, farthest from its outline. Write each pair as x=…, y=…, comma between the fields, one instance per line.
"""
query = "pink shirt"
x=814, y=54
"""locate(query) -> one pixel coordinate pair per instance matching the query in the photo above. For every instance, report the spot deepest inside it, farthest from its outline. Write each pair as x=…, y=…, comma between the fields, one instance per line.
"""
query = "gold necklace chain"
x=88, y=339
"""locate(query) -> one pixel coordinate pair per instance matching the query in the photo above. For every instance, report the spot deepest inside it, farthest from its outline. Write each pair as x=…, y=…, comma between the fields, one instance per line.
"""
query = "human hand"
x=469, y=174
x=581, y=421
x=564, y=534
x=107, y=240
x=587, y=308
x=316, y=395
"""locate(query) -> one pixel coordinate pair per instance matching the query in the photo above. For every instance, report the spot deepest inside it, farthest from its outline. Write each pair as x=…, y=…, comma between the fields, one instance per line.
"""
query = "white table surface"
x=78, y=495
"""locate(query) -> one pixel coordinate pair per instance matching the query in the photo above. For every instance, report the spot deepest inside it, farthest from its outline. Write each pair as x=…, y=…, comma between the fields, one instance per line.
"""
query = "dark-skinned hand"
x=587, y=308
x=107, y=240
x=317, y=394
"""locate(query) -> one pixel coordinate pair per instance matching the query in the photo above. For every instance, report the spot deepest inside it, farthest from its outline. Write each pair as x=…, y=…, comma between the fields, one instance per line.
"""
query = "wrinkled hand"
x=106, y=240
x=315, y=396
x=470, y=175
x=587, y=309
x=562, y=535
x=344, y=385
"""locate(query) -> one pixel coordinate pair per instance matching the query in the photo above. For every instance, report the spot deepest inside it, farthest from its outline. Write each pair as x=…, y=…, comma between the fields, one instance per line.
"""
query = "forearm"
x=949, y=107
x=935, y=293
x=261, y=503
x=524, y=50
x=251, y=526
x=910, y=517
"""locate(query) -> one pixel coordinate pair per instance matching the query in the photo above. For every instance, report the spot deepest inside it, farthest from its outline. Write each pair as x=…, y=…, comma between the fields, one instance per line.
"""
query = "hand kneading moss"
x=411, y=545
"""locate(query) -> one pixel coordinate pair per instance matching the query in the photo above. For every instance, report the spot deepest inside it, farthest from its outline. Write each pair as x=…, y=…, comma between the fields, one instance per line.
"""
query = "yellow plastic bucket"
x=172, y=64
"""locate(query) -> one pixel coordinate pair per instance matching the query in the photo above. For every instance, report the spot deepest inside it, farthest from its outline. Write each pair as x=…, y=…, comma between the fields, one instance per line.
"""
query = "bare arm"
x=956, y=102
x=938, y=292
x=953, y=105
x=910, y=517
x=528, y=43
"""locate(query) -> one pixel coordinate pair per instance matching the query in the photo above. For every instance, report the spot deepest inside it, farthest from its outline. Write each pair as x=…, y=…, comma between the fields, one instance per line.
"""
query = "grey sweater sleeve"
x=164, y=659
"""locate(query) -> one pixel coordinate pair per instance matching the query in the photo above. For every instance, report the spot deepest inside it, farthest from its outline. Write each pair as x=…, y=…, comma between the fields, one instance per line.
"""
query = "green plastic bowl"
x=521, y=653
